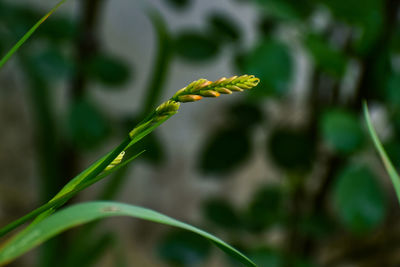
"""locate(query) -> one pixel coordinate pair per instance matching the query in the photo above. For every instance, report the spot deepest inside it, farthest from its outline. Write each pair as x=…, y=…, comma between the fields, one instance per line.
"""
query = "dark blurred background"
x=286, y=173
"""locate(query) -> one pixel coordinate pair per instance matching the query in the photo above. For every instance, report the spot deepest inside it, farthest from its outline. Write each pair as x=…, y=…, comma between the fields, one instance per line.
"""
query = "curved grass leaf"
x=394, y=176
x=28, y=34
x=87, y=212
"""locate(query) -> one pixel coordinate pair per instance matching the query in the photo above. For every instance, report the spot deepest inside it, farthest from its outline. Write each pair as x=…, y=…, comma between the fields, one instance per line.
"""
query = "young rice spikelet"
x=195, y=91
x=116, y=161
x=204, y=88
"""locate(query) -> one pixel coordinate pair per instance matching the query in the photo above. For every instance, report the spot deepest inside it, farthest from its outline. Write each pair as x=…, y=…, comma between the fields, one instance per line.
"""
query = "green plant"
x=325, y=187
x=46, y=224
x=394, y=176
x=109, y=163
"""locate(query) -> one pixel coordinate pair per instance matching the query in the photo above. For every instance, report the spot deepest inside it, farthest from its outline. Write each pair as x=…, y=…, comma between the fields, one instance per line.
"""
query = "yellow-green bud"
x=209, y=93
x=189, y=98
x=224, y=91
x=234, y=88
x=195, y=86
x=243, y=86
x=169, y=107
x=220, y=80
x=230, y=79
x=116, y=161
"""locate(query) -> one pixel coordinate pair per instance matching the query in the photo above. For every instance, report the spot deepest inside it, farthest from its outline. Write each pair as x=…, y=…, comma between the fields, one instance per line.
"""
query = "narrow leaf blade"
x=28, y=34
x=87, y=212
x=48, y=208
x=394, y=176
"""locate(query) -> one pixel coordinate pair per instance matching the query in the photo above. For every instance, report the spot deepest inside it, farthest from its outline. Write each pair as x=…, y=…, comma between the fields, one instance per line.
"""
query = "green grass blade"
x=86, y=178
x=87, y=212
x=48, y=208
x=116, y=168
x=394, y=176
x=28, y=34
x=93, y=170
x=96, y=168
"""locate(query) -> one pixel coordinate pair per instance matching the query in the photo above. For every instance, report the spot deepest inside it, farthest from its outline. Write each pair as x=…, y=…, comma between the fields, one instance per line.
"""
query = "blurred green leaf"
x=86, y=124
x=316, y=226
x=223, y=28
x=245, y=115
x=358, y=199
x=392, y=91
x=392, y=149
x=80, y=214
x=18, y=18
x=267, y=257
x=271, y=62
x=159, y=73
x=59, y=29
x=287, y=9
x=180, y=4
x=50, y=64
x=342, y=130
x=195, y=46
x=226, y=150
x=379, y=76
x=371, y=31
x=331, y=60
x=221, y=213
x=265, y=209
x=355, y=11
x=182, y=248
x=367, y=15
x=291, y=149
x=395, y=42
x=395, y=119
x=109, y=70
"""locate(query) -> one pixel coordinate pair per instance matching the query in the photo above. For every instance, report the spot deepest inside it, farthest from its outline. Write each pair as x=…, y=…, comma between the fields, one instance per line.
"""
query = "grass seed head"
x=202, y=87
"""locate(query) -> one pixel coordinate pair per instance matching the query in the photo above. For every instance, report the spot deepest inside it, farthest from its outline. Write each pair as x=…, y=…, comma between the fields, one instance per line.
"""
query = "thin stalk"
x=394, y=176
x=63, y=198
x=28, y=34
x=93, y=176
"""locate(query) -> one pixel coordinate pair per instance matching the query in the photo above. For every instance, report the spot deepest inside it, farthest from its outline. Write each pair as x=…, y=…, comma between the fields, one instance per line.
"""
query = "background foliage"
x=320, y=196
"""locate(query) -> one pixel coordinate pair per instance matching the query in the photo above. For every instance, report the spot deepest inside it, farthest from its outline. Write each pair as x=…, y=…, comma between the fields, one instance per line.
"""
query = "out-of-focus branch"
x=86, y=46
x=372, y=59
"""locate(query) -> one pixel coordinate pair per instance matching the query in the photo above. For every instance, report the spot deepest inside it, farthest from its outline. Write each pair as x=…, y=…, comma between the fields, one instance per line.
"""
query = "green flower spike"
x=204, y=88
x=195, y=91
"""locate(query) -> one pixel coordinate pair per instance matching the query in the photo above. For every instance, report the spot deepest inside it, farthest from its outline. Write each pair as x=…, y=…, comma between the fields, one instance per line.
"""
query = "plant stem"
x=92, y=178
x=368, y=82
